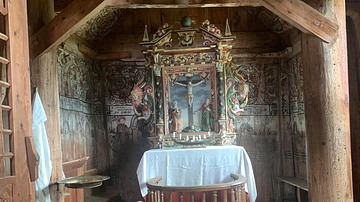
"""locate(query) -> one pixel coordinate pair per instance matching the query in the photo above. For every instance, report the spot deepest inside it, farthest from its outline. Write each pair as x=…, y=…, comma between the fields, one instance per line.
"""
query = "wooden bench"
x=298, y=183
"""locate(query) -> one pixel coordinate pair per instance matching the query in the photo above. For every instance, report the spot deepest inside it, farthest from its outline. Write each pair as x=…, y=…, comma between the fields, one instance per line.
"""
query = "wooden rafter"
x=303, y=17
x=64, y=24
x=296, y=12
x=110, y=56
x=182, y=3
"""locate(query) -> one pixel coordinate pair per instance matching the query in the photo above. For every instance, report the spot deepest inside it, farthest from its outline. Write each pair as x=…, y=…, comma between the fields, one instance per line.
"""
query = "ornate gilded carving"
x=189, y=76
x=211, y=28
x=221, y=95
x=187, y=58
x=161, y=38
x=186, y=36
x=158, y=98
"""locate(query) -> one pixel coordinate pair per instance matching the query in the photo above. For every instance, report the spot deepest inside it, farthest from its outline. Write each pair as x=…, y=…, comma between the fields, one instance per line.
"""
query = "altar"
x=196, y=166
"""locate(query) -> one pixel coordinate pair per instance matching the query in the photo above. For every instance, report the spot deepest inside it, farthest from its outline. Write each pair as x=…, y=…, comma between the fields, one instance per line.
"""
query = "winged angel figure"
x=237, y=93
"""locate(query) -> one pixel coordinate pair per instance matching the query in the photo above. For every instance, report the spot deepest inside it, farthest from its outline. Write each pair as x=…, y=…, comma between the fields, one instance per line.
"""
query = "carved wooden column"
x=220, y=88
x=223, y=57
x=327, y=110
x=159, y=104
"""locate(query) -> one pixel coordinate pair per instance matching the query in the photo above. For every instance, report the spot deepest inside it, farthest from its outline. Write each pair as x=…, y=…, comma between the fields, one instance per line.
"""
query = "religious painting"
x=189, y=97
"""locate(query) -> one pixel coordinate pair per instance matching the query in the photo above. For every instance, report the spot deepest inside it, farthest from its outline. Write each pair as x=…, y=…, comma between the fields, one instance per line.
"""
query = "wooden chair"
x=233, y=191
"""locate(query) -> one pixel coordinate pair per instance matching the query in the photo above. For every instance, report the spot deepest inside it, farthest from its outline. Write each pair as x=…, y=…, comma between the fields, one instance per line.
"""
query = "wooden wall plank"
x=64, y=24
x=253, y=42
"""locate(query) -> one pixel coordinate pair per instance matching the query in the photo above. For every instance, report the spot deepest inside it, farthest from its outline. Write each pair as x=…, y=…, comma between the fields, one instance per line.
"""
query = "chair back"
x=233, y=191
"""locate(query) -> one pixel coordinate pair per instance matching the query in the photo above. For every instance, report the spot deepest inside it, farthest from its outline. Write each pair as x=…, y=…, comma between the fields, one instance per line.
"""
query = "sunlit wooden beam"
x=303, y=17
x=64, y=24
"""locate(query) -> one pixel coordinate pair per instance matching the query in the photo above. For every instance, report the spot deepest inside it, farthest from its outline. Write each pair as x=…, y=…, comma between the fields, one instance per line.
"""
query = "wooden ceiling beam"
x=64, y=24
x=109, y=56
x=247, y=41
x=303, y=17
x=182, y=3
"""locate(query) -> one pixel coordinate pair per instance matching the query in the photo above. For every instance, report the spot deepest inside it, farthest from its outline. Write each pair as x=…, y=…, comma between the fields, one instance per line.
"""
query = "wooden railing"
x=233, y=191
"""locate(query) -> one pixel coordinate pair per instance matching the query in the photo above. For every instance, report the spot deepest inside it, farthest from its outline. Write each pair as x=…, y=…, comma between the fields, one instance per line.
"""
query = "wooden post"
x=327, y=110
x=353, y=34
x=43, y=71
x=18, y=187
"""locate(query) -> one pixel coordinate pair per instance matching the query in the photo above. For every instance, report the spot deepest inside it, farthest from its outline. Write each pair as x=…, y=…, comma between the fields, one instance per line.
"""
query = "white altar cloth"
x=196, y=166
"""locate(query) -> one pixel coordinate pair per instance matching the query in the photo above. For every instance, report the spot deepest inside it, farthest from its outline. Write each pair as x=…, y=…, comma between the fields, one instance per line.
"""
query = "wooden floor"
x=109, y=194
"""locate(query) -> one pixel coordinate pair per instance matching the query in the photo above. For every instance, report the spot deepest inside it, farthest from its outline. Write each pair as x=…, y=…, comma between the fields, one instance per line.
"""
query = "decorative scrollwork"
x=6, y=193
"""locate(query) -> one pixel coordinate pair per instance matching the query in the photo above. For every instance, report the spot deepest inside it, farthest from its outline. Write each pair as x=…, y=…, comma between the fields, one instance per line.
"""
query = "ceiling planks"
x=303, y=17
x=68, y=21
x=64, y=24
x=182, y=3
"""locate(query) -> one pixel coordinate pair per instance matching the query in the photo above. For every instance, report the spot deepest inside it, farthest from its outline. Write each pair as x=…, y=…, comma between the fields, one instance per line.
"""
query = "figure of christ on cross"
x=189, y=85
x=190, y=97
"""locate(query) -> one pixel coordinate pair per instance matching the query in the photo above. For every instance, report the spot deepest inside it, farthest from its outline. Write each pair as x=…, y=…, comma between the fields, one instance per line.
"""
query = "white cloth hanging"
x=42, y=148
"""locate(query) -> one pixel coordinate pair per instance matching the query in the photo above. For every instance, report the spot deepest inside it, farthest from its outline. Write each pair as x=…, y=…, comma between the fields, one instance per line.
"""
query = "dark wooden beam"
x=96, y=56
x=303, y=17
x=182, y=3
x=246, y=42
x=64, y=24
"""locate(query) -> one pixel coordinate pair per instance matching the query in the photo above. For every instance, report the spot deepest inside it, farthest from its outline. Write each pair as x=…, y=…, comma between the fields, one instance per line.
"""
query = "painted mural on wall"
x=257, y=126
x=100, y=25
x=293, y=135
x=297, y=114
x=81, y=114
x=129, y=104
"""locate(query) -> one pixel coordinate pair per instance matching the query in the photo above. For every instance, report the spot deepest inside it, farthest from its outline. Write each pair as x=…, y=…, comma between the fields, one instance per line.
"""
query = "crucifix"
x=189, y=84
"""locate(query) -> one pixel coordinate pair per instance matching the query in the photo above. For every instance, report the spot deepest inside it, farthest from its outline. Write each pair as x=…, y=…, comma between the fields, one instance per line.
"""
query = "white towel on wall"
x=42, y=147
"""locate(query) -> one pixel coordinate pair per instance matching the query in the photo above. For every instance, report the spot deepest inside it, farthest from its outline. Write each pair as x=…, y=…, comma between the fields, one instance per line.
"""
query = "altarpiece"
x=197, y=91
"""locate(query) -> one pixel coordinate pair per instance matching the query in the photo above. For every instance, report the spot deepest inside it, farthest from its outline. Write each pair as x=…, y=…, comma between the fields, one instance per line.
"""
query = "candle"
x=209, y=133
x=194, y=137
x=187, y=138
x=173, y=134
x=199, y=137
x=180, y=136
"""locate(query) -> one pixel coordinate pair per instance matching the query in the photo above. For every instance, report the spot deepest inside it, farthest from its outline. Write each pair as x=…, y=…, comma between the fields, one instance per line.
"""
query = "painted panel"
x=81, y=111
